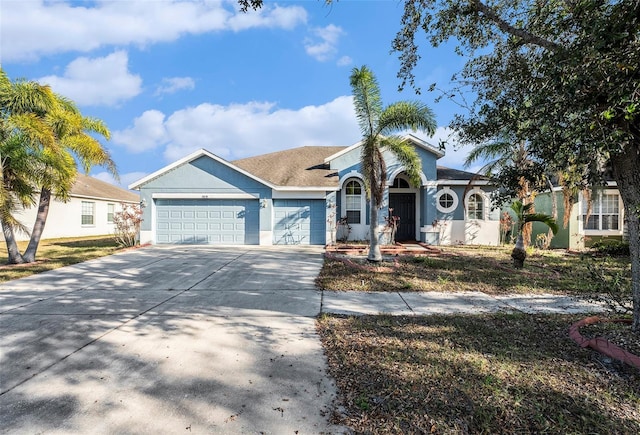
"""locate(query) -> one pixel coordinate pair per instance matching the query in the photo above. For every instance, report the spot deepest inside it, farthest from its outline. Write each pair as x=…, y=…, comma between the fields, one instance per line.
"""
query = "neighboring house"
x=606, y=221
x=89, y=211
x=296, y=196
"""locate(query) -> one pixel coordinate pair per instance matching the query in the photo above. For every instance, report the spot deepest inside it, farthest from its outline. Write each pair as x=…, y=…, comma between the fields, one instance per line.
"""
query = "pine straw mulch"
x=498, y=374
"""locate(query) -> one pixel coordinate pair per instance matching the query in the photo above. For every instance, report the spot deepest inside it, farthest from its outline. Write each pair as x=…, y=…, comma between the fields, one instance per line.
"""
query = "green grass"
x=492, y=374
x=55, y=253
x=453, y=269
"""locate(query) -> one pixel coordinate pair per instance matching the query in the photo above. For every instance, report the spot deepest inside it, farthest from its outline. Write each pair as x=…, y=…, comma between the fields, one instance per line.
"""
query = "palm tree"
x=524, y=216
x=23, y=132
x=379, y=127
x=42, y=136
x=73, y=133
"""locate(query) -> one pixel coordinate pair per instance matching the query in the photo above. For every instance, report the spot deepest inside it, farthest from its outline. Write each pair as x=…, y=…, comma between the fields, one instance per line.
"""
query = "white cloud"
x=241, y=130
x=175, y=84
x=148, y=132
x=344, y=61
x=324, y=44
x=38, y=27
x=125, y=179
x=98, y=81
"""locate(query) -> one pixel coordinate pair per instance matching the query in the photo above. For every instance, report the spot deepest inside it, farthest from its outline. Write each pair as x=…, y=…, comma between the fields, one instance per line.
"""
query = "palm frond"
x=406, y=155
x=405, y=115
x=366, y=99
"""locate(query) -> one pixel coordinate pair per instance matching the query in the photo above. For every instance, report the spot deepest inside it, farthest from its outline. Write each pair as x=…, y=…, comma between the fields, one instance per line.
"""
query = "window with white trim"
x=446, y=200
x=605, y=213
x=88, y=210
x=110, y=212
x=475, y=206
x=353, y=202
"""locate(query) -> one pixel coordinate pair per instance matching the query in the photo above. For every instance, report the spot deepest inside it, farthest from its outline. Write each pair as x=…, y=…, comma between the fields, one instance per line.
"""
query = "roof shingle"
x=93, y=188
x=297, y=167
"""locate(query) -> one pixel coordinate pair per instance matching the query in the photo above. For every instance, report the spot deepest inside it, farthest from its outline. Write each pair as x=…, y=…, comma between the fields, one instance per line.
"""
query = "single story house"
x=89, y=211
x=606, y=221
x=297, y=196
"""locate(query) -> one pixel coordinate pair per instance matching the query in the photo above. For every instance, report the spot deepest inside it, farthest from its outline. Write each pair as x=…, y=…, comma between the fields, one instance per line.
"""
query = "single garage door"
x=208, y=221
x=299, y=222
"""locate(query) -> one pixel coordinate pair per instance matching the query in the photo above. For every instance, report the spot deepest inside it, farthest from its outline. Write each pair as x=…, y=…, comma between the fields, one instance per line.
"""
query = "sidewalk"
x=421, y=303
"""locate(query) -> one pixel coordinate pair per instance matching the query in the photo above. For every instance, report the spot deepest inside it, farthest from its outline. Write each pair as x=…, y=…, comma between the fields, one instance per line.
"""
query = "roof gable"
x=191, y=157
x=411, y=138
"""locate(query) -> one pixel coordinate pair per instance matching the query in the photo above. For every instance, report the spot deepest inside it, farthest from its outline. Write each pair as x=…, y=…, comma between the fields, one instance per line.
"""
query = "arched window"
x=353, y=201
x=400, y=183
x=475, y=206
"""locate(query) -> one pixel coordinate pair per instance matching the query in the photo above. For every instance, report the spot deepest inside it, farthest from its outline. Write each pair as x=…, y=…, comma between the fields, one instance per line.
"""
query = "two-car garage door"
x=208, y=221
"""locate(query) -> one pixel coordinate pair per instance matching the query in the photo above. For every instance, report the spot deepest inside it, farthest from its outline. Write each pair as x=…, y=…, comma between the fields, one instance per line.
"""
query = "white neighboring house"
x=89, y=211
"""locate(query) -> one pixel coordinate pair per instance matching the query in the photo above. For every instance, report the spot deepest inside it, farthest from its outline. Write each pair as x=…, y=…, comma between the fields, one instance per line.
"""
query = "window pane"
x=610, y=222
x=353, y=202
x=353, y=188
x=446, y=200
x=110, y=209
x=87, y=213
x=593, y=223
x=476, y=208
x=353, y=216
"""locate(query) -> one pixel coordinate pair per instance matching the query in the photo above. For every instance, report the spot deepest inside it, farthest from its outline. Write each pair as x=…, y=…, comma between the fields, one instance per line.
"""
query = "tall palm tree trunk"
x=13, y=253
x=38, y=227
x=374, y=244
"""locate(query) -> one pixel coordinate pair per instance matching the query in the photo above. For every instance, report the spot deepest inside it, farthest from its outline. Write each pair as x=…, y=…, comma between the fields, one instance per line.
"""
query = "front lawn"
x=465, y=268
x=485, y=373
x=55, y=253
x=492, y=374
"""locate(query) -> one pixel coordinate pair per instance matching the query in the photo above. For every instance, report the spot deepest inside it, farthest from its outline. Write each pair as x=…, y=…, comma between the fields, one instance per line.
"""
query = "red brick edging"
x=600, y=344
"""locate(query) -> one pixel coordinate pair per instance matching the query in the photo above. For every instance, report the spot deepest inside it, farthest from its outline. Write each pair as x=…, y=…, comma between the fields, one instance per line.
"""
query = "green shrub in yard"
x=615, y=248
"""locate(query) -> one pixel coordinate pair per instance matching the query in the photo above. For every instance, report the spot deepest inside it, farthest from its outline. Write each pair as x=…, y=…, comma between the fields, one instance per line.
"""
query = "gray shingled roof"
x=455, y=174
x=93, y=188
x=297, y=167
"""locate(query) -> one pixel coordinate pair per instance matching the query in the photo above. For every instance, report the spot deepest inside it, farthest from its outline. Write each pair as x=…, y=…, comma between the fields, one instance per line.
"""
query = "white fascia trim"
x=200, y=153
x=464, y=182
x=299, y=194
x=101, y=198
x=424, y=144
x=205, y=196
x=305, y=189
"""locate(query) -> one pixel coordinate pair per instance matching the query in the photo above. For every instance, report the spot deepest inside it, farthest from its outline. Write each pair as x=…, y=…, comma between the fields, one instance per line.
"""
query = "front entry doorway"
x=404, y=206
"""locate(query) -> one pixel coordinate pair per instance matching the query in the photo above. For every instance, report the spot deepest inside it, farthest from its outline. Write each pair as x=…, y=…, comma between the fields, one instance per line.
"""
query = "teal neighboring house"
x=605, y=222
x=297, y=196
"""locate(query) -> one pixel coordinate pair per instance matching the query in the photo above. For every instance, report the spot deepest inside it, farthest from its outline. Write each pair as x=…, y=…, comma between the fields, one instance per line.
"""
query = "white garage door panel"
x=207, y=221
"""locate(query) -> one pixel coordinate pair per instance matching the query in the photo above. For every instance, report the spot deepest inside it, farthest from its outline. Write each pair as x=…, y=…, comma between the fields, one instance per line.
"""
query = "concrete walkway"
x=189, y=340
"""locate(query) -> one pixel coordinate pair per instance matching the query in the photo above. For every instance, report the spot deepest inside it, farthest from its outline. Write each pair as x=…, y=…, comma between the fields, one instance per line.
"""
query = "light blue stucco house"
x=296, y=196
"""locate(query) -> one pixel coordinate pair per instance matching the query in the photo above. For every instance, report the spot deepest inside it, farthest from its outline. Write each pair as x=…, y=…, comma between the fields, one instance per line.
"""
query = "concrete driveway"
x=167, y=340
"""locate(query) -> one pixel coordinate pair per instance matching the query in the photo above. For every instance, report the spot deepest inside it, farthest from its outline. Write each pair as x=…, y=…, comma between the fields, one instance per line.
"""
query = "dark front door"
x=404, y=206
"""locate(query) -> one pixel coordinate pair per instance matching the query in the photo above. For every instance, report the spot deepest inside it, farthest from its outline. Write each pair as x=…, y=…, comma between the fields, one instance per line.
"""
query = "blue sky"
x=170, y=77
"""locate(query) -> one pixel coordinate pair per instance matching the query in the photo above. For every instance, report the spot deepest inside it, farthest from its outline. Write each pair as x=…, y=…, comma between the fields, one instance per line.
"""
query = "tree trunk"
x=626, y=172
x=38, y=227
x=13, y=253
x=519, y=253
x=554, y=212
x=374, y=234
